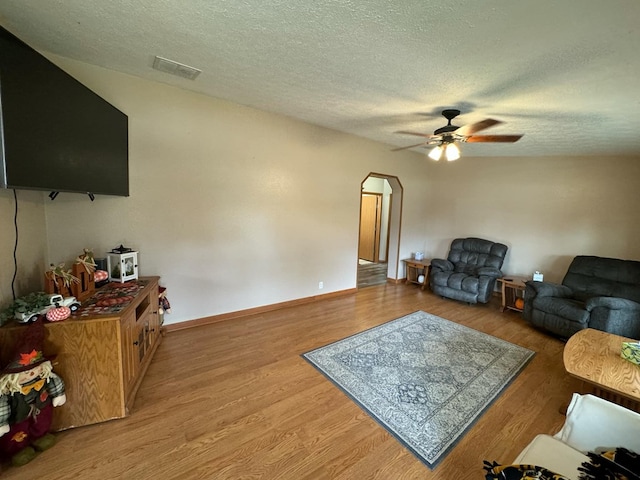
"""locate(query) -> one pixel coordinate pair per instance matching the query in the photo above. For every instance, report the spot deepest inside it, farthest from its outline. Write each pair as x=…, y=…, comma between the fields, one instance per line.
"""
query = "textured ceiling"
x=566, y=73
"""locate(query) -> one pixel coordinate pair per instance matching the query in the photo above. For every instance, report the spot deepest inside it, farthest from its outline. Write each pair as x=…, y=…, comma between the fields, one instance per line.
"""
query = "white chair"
x=592, y=424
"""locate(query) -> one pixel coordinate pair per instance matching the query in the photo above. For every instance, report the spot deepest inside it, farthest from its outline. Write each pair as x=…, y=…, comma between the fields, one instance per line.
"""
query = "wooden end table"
x=512, y=289
x=415, y=268
x=594, y=357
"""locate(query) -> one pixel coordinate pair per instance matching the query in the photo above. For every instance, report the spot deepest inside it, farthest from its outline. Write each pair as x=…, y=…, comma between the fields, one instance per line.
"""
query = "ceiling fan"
x=445, y=138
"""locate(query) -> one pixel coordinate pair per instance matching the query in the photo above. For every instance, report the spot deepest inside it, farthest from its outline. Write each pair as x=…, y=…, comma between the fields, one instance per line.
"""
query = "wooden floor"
x=371, y=274
x=235, y=400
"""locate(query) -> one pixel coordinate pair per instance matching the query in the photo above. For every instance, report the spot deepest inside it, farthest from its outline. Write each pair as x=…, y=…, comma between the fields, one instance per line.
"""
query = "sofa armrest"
x=612, y=303
x=594, y=423
x=442, y=264
x=489, y=272
x=614, y=315
x=548, y=289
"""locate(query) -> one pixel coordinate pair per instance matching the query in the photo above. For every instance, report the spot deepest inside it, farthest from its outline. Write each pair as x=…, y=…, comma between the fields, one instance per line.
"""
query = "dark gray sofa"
x=470, y=271
x=597, y=292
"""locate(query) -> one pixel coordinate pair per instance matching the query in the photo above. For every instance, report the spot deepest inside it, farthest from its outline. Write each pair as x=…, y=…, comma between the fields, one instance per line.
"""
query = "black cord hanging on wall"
x=15, y=246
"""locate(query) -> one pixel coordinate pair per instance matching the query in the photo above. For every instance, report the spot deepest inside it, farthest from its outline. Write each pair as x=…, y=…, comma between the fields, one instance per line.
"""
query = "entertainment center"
x=102, y=351
x=57, y=135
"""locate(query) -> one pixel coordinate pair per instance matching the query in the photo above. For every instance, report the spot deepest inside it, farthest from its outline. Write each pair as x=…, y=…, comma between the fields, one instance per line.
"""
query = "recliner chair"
x=470, y=271
x=597, y=292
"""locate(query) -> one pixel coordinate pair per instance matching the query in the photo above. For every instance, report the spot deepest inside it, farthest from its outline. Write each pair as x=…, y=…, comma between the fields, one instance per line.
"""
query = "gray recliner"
x=597, y=292
x=470, y=271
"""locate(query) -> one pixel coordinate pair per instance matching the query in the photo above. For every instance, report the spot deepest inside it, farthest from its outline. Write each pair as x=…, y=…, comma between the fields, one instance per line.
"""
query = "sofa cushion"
x=462, y=267
x=477, y=252
x=459, y=280
x=554, y=455
x=590, y=276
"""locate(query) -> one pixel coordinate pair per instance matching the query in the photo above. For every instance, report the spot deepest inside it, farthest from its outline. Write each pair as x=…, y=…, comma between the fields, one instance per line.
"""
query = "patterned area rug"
x=425, y=379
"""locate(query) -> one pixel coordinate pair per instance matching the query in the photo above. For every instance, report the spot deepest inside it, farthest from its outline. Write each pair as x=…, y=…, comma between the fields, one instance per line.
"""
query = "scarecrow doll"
x=28, y=392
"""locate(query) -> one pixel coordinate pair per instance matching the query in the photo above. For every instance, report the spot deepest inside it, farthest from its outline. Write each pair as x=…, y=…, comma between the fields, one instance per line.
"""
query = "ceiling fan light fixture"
x=447, y=137
x=452, y=152
x=436, y=153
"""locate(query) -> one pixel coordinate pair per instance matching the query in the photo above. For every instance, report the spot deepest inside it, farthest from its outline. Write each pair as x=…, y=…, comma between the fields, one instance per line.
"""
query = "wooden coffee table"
x=594, y=357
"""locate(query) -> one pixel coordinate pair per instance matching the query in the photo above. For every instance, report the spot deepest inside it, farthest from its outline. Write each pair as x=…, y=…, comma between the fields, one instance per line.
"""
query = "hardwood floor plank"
x=235, y=399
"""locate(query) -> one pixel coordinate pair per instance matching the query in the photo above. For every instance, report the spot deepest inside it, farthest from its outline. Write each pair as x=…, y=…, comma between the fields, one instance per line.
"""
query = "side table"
x=415, y=268
x=512, y=292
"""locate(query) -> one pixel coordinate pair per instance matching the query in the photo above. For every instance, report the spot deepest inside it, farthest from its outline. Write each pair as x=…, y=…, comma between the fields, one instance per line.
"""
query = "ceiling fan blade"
x=427, y=135
x=472, y=128
x=493, y=138
x=410, y=146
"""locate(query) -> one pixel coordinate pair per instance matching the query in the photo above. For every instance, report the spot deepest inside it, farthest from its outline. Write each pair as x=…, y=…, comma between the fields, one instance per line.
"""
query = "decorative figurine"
x=84, y=270
x=29, y=391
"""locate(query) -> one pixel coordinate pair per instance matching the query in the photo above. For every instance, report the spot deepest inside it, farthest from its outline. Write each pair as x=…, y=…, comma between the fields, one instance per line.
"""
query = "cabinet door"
x=153, y=330
x=130, y=351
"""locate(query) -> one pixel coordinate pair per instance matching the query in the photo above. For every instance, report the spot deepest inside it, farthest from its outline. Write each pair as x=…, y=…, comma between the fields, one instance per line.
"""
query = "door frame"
x=395, y=222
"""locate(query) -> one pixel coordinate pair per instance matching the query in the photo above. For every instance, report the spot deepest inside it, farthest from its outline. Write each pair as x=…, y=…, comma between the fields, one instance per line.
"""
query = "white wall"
x=233, y=207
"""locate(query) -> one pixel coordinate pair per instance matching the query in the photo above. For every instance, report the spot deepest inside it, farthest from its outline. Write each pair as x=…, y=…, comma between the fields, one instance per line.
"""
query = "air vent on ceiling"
x=175, y=68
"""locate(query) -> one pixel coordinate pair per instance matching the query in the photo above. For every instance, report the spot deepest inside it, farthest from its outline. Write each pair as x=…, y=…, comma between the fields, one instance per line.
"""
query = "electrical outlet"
x=320, y=285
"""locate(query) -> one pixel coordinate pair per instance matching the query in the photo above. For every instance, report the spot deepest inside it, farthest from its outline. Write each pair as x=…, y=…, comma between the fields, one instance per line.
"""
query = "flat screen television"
x=55, y=133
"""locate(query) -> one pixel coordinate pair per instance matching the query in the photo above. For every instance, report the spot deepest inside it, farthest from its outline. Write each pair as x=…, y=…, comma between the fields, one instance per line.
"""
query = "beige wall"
x=233, y=207
x=236, y=208
x=32, y=243
x=547, y=210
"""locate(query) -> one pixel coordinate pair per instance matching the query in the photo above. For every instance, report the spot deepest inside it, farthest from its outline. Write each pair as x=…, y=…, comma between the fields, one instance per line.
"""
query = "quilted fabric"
x=100, y=275
x=57, y=314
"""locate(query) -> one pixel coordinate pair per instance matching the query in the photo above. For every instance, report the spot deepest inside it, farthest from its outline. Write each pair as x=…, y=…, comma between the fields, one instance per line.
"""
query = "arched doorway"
x=379, y=229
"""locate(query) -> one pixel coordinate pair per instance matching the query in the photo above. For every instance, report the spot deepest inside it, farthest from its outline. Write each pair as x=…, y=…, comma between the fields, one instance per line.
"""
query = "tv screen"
x=55, y=133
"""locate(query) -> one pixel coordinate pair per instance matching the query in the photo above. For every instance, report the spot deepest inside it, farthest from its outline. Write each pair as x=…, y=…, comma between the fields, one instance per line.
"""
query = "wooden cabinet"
x=102, y=357
x=416, y=268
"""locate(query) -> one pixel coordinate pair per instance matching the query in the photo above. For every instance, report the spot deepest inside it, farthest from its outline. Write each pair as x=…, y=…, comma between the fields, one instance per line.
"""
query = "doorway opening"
x=379, y=229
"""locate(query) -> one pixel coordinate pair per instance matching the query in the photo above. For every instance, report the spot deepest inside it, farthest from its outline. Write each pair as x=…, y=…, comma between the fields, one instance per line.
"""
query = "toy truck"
x=55, y=300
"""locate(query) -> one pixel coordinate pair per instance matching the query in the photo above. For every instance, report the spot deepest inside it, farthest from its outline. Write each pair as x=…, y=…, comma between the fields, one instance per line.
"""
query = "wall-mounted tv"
x=55, y=133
